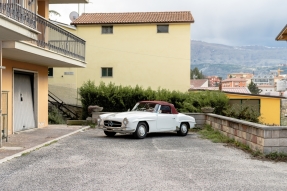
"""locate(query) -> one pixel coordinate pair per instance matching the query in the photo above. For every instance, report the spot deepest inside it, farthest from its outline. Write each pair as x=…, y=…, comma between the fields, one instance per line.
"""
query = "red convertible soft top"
x=173, y=110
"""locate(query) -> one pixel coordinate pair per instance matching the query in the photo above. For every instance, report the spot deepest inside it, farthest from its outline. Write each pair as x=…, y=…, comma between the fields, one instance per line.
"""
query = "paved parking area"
x=89, y=160
x=26, y=141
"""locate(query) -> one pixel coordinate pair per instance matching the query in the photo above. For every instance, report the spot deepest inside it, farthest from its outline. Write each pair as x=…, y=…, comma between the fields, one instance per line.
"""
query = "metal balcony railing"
x=52, y=37
x=57, y=39
x=23, y=12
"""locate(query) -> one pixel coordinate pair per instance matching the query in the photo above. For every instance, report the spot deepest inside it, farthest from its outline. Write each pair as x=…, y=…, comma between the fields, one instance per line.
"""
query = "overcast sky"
x=230, y=22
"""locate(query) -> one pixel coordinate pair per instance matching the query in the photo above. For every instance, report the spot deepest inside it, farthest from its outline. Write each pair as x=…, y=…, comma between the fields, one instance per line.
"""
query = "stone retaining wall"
x=264, y=138
x=199, y=119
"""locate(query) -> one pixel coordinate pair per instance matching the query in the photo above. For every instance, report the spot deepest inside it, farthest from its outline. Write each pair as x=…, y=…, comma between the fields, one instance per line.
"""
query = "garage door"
x=24, y=117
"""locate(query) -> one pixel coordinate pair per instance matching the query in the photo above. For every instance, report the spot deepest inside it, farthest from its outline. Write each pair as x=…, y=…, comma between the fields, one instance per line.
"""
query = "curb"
x=41, y=145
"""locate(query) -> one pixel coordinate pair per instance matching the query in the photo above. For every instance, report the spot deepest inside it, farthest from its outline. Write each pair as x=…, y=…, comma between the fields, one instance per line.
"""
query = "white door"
x=24, y=117
x=165, y=120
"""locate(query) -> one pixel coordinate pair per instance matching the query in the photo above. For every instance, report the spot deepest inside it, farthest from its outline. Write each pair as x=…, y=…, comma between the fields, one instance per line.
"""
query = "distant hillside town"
x=221, y=60
x=272, y=83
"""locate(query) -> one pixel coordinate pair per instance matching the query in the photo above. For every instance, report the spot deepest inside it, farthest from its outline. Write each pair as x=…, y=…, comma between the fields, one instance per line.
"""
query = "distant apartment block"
x=213, y=81
x=247, y=76
x=263, y=79
x=234, y=82
x=266, y=88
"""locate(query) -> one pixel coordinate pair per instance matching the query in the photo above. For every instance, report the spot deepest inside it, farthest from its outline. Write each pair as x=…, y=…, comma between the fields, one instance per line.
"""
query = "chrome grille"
x=109, y=123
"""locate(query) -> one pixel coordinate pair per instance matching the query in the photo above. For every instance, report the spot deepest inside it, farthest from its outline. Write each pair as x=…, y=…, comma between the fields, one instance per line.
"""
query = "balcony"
x=52, y=47
x=67, y=1
x=17, y=22
x=28, y=37
x=58, y=40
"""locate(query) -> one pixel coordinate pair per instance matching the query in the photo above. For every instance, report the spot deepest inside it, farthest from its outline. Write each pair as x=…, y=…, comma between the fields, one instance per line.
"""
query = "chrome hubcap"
x=183, y=128
x=141, y=130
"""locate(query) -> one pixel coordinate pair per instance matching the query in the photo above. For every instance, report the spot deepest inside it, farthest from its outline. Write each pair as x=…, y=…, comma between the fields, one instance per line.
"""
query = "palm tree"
x=53, y=12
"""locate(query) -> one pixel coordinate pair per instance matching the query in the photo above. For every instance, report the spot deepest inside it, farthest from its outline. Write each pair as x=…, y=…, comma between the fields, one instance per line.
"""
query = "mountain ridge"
x=220, y=60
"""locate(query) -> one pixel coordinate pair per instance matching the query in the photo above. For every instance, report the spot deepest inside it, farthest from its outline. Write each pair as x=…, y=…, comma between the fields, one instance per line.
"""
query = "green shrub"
x=243, y=112
x=118, y=98
x=55, y=117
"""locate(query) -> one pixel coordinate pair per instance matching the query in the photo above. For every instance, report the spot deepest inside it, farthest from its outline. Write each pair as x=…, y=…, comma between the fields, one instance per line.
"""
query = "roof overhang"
x=282, y=35
x=67, y=1
x=29, y=53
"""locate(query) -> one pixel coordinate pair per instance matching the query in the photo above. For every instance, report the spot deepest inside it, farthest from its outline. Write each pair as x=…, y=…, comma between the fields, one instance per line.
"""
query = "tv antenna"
x=73, y=15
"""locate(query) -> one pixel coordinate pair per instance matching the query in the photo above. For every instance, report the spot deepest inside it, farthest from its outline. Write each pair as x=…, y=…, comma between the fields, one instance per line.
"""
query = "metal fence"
x=5, y=115
x=57, y=39
x=20, y=10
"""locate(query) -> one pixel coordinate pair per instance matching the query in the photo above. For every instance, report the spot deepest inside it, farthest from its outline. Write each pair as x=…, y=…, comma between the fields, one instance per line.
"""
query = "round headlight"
x=125, y=121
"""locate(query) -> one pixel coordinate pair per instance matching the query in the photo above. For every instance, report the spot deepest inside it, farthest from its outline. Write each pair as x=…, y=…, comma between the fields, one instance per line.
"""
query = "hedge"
x=121, y=98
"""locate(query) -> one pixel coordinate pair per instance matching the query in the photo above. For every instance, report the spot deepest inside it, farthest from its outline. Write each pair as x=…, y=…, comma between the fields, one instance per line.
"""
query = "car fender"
x=185, y=118
x=150, y=121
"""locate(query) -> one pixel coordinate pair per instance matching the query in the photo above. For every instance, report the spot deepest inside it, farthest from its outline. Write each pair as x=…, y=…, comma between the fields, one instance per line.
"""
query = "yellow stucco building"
x=149, y=49
x=29, y=45
x=271, y=108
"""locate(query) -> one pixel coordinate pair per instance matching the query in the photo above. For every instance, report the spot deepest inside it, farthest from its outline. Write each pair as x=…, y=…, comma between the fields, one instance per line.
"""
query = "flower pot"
x=207, y=109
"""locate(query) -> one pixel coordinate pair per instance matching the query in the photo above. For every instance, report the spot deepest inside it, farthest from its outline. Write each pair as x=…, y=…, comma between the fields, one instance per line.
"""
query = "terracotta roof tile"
x=198, y=82
x=244, y=90
x=134, y=17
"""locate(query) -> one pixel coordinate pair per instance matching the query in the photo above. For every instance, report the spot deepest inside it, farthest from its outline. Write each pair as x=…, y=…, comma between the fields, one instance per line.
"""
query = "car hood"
x=128, y=115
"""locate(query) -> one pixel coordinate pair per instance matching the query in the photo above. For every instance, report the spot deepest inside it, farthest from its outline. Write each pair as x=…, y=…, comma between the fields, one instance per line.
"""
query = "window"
x=251, y=103
x=162, y=28
x=50, y=72
x=165, y=109
x=107, y=72
x=107, y=29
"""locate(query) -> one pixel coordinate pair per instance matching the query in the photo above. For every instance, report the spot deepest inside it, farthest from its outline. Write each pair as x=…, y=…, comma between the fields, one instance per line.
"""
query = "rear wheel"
x=183, y=130
x=109, y=134
x=141, y=131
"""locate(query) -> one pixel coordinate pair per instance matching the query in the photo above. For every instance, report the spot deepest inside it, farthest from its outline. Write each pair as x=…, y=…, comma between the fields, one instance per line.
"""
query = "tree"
x=196, y=74
x=55, y=13
x=253, y=88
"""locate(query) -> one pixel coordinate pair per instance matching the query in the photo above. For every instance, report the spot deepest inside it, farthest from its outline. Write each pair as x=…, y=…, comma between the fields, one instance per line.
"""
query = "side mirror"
x=129, y=109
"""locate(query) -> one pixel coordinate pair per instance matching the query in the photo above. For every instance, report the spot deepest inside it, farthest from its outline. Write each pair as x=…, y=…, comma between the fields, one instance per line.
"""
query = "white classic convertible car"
x=146, y=117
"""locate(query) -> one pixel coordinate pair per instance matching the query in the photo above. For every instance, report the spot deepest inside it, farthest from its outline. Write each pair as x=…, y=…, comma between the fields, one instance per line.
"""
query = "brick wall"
x=258, y=137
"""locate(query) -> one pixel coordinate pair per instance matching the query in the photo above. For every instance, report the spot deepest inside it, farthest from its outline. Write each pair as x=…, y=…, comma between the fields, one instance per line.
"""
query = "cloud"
x=231, y=22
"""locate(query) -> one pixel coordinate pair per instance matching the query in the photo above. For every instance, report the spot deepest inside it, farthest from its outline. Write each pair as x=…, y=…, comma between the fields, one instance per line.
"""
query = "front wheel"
x=183, y=130
x=109, y=134
x=141, y=131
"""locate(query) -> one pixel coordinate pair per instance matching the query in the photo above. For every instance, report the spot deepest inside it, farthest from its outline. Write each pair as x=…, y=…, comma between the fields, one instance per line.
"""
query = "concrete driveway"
x=91, y=161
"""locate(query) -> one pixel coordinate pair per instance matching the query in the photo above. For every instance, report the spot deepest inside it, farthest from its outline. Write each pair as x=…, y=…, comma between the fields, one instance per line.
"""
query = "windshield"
x=149, y=107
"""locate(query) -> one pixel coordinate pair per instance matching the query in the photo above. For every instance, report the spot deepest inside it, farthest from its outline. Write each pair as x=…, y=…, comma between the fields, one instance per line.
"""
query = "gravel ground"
x=91, y=161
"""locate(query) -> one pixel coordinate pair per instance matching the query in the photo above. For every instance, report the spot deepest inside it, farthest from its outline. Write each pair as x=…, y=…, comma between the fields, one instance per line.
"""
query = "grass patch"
x=215, y=136
x=277, y=156
x=92, y=125
x=25, y=154
x=50, y=143
x=194, y=129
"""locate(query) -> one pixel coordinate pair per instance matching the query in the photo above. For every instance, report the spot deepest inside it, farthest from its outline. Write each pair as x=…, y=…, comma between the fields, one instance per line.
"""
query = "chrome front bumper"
x=116, y=129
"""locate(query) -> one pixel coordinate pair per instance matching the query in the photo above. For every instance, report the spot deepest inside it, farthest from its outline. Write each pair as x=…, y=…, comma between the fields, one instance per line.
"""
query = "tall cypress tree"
x=253, y=88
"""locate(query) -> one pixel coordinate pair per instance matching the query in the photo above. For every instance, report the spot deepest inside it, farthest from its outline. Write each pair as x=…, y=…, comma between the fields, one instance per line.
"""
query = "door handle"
x=21, y=97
